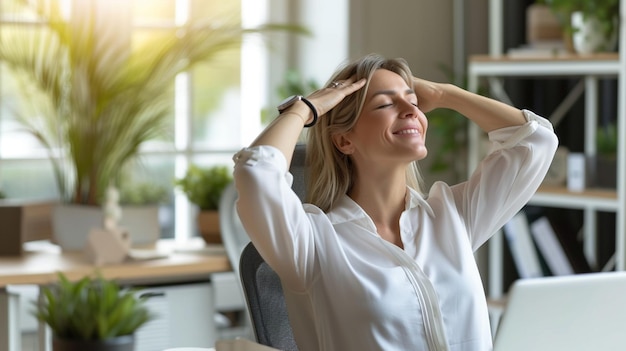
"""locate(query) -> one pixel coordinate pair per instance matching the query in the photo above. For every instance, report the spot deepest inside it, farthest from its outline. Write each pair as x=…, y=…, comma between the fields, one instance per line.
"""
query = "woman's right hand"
x=326, y=98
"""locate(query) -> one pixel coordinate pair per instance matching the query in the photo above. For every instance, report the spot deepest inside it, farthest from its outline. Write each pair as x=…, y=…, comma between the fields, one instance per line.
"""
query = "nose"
x=409, y=110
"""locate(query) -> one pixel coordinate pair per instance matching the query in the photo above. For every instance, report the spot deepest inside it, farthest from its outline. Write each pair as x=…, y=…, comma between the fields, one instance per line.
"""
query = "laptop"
x=571, y=313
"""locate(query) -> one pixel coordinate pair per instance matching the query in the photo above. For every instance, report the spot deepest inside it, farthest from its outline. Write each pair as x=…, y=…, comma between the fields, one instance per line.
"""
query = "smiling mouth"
x=407, y=132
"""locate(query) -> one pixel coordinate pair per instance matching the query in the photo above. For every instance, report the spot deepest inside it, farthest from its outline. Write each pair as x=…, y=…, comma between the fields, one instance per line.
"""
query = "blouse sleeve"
x=272, y=213
x=507, y=177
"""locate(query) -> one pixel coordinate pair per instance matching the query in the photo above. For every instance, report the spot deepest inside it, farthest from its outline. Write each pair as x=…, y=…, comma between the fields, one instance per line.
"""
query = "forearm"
x=284, y=131
x=487, y=113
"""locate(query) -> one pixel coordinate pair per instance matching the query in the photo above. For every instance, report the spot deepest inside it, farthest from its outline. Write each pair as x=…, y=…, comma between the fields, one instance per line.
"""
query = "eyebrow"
x=392, y=92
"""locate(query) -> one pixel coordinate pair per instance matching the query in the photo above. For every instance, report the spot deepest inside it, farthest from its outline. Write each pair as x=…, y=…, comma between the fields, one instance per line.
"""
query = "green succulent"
x=92, y=308
x=204, y=186
x=604, y=10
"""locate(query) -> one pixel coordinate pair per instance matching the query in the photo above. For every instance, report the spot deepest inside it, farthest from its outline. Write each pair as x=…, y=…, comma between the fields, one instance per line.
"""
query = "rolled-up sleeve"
x=271, y=212
x=507, y=177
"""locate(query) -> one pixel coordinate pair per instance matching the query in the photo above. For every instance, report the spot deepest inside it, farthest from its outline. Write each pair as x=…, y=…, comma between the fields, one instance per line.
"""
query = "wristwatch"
x=285, y=104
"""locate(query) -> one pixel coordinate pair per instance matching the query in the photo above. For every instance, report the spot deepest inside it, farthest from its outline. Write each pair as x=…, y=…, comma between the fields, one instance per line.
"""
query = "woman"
x=370, y=263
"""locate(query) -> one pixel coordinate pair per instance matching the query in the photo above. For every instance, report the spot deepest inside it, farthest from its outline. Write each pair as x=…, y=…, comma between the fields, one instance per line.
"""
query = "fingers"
x=347, y=86
x=327, y=98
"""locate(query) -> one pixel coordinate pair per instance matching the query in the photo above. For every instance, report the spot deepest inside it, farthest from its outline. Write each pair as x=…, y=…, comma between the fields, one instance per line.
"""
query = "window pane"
x=150, y=10
x=215, y=84
x=32, y=179
x=216, y=102
x=223, y=9
x=15, y=140
x=14, y=9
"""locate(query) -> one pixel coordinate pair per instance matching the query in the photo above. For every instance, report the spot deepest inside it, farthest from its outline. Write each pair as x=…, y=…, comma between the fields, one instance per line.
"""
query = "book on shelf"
x=539, y=50
x=550, y=227
x=523, y=250
x=550, y=247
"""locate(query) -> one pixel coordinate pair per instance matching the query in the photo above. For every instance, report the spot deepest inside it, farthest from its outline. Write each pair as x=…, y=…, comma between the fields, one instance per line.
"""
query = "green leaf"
x=91, y=308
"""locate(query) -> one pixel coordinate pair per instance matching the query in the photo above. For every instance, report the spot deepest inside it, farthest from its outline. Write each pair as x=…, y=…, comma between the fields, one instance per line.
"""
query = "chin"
x=421, y=154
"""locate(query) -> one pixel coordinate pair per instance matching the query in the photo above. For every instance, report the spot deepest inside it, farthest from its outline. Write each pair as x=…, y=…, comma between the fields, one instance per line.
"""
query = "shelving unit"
x=589, y=69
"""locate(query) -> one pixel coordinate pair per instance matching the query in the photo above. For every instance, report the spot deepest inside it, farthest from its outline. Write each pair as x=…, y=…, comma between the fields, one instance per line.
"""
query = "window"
x=206, y=124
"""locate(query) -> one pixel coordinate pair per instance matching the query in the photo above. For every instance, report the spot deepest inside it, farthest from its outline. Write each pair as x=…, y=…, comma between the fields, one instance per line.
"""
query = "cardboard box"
x=22, y=221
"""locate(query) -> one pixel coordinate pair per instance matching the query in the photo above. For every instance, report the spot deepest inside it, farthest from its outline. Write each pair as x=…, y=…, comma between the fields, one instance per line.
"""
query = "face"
x=391, y=127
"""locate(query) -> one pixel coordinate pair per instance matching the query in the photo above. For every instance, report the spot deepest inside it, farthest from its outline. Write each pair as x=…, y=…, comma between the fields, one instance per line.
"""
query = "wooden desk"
x=41, y=267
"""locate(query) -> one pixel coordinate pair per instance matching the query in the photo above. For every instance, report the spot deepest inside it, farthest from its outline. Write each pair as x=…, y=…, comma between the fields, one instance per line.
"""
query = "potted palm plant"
x=592, y=24
x=203, y=187
x=93, y=314
x=93, y=99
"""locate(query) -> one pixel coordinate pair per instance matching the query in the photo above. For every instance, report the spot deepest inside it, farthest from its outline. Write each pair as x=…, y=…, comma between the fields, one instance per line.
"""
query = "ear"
x=343, y=143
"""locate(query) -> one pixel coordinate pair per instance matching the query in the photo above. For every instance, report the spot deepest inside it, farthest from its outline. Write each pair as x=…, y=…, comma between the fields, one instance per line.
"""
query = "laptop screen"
x=574, y=312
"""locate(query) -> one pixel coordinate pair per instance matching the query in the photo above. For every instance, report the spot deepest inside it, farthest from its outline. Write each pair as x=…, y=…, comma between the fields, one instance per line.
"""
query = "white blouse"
x=348, y=289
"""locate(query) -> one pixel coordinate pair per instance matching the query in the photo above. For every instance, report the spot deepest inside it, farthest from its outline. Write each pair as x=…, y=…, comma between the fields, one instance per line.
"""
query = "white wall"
x=421, y=31
x=418, y=30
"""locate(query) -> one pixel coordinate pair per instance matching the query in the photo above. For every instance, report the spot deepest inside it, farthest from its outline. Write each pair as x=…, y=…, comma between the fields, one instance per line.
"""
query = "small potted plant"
x=203, y=187
x=593, y=24
x=93, y=314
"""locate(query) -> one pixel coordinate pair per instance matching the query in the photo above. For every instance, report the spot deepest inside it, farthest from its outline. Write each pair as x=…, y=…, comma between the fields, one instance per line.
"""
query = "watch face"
x=288, y=102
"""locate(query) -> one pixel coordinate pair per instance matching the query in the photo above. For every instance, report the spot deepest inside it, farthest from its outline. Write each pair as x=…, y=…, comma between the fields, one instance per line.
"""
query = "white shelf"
x=593, y=199
x=605, y=64
x=589, y=68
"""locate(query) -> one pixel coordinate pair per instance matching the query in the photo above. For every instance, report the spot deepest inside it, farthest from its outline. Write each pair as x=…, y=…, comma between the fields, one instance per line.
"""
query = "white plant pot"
x=588, y=36
x=71, y=224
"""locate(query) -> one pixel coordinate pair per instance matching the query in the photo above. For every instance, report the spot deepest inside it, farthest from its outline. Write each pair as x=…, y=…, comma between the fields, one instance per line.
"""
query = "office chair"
x=266, y=301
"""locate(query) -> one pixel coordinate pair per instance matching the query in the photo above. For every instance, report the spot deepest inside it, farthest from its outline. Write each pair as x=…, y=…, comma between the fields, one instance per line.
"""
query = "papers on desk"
x=195, y=245
x=211, y=249
x=229, y=345
x=146, y=254
x=241, y=345
x=189, y=247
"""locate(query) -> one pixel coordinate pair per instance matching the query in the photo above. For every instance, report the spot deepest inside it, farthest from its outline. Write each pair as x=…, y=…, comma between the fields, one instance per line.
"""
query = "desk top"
x=42, y=266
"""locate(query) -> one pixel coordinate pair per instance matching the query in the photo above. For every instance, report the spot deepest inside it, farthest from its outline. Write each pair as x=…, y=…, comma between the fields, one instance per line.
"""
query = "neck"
x=382, y=196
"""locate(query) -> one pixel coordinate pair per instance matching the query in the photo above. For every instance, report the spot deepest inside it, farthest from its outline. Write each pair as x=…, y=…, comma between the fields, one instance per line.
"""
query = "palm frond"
x=96, y=97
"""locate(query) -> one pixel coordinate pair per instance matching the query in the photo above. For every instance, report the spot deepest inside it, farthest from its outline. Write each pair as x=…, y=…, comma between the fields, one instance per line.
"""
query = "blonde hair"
x=331, y=173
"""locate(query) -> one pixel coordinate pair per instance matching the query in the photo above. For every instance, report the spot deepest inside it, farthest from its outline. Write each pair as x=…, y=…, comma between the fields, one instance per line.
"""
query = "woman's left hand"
x=429, y=94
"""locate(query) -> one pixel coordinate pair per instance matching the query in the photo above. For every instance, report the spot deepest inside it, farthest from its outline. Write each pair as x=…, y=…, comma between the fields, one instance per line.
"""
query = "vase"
x=542, y=25
x=209, y=226
x=605, y=172
x=71, y=224
x=588, y=36
x=120, y=343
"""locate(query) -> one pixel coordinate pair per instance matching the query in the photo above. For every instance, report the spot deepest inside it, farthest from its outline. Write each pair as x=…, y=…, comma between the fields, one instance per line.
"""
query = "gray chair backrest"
x=266, y=302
